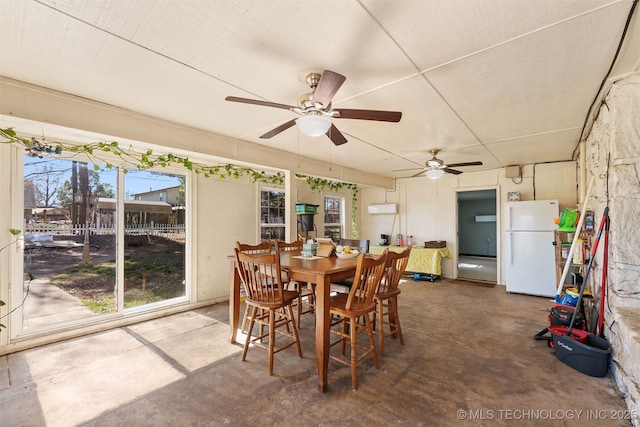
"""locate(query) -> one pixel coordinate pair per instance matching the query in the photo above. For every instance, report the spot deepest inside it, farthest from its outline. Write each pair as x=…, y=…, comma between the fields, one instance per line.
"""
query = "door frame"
x=498, y=236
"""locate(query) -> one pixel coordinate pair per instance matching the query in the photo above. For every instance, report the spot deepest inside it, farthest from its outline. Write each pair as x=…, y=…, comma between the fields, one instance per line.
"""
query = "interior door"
x=477, y=246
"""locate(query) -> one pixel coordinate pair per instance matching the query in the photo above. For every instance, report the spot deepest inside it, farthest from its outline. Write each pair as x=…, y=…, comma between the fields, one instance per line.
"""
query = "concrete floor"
x=477, y=268
x=469, y=359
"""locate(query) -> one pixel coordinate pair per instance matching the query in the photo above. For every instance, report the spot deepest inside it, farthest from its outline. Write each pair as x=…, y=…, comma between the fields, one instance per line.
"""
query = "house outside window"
x=272, y=214
x=333, y=217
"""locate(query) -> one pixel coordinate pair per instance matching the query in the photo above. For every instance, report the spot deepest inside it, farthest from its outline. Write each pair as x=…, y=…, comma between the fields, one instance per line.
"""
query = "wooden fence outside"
x=175, y=232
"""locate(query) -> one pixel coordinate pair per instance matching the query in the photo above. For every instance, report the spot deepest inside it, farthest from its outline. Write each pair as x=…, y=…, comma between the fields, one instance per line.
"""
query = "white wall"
x=226, y=212
x=427, y=208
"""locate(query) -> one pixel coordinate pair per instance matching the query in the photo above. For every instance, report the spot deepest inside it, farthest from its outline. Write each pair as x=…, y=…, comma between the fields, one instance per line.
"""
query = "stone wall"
x=613, y=157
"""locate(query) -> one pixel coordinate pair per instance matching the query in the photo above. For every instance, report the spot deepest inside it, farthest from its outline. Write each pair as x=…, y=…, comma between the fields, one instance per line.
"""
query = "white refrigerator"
x=530, y=254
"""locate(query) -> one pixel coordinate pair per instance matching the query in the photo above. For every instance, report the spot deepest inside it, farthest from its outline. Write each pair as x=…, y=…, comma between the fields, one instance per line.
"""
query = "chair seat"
x=387, y=294
x=288, y=297
x=339, y=302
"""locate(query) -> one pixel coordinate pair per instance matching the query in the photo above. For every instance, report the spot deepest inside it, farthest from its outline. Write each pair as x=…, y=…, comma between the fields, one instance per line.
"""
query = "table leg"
x=323, y=324
x=234, y=301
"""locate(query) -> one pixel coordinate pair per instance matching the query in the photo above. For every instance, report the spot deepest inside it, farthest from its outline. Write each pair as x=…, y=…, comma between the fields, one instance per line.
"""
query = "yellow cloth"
x=421, y=260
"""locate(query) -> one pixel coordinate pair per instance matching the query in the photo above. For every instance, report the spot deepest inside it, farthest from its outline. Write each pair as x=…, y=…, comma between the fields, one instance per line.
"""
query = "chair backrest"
x=369, y=271
x=396, y=264
x=260, y=248
x=295, y=247
x=361, y=245
x=260, y=275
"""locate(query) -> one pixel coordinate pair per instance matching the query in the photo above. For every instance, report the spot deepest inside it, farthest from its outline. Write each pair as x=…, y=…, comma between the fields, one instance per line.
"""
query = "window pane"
x=272, y=212
x=333, y=232
x=268, y=233
x=155, y=233
x=70, y=241
x=332, y=210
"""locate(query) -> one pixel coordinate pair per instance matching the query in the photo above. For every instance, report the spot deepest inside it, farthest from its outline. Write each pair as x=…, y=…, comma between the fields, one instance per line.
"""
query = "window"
x=333, y=217
x=73, y=225
x=272, y=214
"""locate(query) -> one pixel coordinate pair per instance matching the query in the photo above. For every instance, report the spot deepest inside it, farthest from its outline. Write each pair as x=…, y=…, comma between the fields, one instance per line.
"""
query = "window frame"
x=281, y=214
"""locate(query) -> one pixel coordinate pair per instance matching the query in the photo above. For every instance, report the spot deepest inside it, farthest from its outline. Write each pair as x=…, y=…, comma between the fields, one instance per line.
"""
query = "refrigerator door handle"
x=509, y=250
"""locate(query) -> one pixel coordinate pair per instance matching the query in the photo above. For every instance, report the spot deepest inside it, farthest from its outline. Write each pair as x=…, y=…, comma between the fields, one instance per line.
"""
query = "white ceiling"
x=501, y=81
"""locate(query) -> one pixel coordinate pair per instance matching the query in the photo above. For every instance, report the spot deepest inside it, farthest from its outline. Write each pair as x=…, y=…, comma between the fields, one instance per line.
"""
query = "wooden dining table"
x=319, y=270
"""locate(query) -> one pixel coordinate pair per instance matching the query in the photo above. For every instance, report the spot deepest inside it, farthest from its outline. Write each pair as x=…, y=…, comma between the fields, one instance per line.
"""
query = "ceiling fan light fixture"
x=313, y=124
x=434, y=173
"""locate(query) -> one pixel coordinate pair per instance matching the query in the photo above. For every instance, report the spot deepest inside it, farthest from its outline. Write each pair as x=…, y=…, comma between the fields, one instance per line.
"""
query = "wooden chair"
x=387, y=298
x=261, y=276
x=306, y=294
x=362, y=246
x=357, y=304
x=260, y=248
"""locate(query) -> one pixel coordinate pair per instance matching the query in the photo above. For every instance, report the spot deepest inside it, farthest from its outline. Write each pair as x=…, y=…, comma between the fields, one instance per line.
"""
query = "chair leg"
x=394, y=303
x=343, y=345
x=295, y=331
x=372, y=343
x=244, y=318
x=251, y=323
x=380, y=331
x=272, y=338
x=354, y=357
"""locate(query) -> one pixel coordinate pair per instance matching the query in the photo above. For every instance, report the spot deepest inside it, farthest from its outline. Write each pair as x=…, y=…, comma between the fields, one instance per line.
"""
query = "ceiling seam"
x=550, y=132
x=518, y=37
x=466, y=125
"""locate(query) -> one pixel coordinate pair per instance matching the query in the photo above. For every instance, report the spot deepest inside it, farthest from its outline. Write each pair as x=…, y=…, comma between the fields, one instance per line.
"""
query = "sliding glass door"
x=76, y=216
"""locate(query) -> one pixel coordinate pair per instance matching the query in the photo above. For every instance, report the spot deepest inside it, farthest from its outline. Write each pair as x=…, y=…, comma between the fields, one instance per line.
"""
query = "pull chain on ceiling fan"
x=316, y=111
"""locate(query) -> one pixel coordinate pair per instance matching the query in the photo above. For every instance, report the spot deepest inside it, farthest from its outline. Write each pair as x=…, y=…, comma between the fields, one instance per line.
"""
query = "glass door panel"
x=154, y=238
x=70, y=235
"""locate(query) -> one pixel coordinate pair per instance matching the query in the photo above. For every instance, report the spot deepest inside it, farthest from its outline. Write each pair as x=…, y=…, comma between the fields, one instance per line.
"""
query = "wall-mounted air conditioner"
x=383, y=209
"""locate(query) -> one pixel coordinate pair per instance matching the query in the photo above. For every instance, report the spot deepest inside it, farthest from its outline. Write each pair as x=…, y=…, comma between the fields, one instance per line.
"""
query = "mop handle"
x=603, y=285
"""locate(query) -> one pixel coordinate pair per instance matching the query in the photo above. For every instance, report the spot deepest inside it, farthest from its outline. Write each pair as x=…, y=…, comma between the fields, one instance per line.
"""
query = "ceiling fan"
x=435, y=167
x=315, y=109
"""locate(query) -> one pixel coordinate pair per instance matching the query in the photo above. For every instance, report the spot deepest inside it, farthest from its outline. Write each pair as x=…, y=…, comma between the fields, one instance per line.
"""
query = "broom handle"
x=565, y=271
x=603, y=285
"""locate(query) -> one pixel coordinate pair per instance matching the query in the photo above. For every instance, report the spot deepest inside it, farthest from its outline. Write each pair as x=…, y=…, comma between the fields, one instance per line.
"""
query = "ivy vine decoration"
x=137, y=160
x=148, y=160
x=319, y=184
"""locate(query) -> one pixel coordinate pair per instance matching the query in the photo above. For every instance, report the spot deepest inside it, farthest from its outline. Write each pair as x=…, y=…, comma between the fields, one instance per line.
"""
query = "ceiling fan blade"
x=408, y=169
x=382, y=116
x=335, y=135
x=282, y=127
x=419, y=173
x=258, y=102
x=453, y=171
x=327, y=87
x=455, y=165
